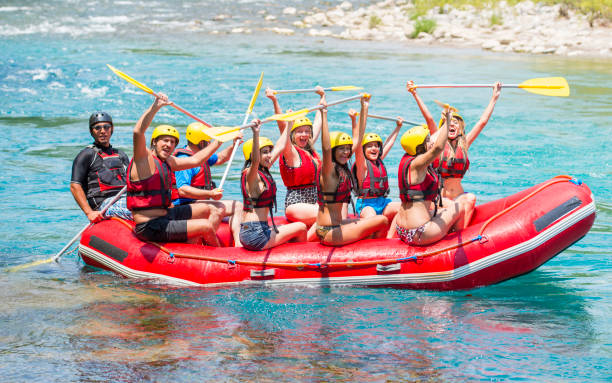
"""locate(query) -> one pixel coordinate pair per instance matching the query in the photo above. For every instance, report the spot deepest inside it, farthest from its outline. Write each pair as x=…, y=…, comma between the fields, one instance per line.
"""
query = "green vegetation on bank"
x=375, y=21
x=423, y=25
x=593, y=9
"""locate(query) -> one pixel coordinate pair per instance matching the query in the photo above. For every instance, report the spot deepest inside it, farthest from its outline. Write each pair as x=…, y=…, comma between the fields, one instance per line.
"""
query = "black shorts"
x=171, y=227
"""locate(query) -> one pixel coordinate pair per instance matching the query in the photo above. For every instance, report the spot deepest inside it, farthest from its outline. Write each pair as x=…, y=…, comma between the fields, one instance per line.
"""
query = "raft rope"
x=415, y=257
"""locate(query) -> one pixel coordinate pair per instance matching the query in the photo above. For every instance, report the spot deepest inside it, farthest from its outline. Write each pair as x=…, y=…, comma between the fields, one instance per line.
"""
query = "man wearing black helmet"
x=99, y=172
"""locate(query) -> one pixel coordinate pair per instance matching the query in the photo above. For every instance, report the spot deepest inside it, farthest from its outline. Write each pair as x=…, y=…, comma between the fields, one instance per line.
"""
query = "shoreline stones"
x=526, y=27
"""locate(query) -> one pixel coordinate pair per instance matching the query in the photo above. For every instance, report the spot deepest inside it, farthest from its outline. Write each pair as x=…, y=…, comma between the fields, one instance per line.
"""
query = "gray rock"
x=490, y=44
x=345, y=6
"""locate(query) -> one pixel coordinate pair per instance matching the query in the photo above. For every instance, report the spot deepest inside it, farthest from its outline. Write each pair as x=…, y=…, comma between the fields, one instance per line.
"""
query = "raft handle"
x=265, y=273
x=388, y=268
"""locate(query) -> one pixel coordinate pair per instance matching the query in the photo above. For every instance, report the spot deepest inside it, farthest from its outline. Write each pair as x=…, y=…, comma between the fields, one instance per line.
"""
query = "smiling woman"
x=336, y=185
x=259, y=194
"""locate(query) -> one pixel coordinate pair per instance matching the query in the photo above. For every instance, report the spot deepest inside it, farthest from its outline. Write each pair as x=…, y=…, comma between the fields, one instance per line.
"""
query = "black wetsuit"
x=100, y=171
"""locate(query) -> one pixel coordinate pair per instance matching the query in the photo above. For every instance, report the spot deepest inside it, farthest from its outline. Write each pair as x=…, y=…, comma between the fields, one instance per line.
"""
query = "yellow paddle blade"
x=255, y=94
x=289, y=116
x=31, y=264
x=130, y=80
x=229, y=135
x=446, y=106
x=547, y=86
x=293, y=117
x=342, y=88
x=220, y=130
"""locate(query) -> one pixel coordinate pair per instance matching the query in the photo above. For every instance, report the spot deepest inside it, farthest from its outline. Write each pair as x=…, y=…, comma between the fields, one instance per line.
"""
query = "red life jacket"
x=202, y=179
x=343, y=190
x=376, y=182
x=105, y=177
x=302, y=176
x=452, y=167
x=428, y=190
x=267, y=198
x=153, y=192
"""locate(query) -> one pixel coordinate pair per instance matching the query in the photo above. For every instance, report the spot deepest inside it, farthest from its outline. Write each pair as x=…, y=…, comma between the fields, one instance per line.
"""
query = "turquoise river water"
x=65, y=322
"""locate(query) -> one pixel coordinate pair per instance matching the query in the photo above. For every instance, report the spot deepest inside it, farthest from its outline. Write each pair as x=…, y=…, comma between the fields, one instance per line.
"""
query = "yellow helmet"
x=247, y=147
x=165, y=130
x=195, y=133
x=413, y=138
x=340, y=138
x=454, y=113
x=302, y=121
x=371, y=137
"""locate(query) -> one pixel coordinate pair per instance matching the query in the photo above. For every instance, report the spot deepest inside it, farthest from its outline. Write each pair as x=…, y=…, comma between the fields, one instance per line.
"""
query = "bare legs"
x=354, y=230
x=295, y=232
x=439, y=225
x=467, y=201
x=232, y=209
x=390, y=211
x=306, y=213
x=204, y=222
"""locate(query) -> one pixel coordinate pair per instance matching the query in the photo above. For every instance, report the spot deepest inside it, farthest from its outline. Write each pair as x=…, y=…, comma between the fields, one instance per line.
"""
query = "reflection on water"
x=145, y=331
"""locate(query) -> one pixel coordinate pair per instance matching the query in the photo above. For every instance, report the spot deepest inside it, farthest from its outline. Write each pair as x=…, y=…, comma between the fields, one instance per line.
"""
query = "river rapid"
x=65, y=322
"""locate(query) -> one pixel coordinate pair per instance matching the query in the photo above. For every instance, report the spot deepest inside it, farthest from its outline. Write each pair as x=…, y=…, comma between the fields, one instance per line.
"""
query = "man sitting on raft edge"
x=99, y=172
x=150, y=183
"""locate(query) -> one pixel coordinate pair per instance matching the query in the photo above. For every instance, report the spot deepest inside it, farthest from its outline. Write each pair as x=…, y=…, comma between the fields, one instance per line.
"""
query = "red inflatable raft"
x=506, y=238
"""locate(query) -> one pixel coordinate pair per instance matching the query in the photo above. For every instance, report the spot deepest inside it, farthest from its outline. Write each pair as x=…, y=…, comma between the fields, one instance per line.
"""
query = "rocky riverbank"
x=526, y=27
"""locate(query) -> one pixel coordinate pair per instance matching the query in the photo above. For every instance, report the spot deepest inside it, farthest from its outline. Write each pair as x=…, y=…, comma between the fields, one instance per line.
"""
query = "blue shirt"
x=183, y=177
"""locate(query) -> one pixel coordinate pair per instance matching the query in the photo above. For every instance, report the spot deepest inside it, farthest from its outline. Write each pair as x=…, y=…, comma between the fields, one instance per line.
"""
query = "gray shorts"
x=171, y=227
x=254, y=235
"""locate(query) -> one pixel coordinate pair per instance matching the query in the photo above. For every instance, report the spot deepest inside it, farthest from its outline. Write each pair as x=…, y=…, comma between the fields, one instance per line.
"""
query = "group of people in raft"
x=172, y=198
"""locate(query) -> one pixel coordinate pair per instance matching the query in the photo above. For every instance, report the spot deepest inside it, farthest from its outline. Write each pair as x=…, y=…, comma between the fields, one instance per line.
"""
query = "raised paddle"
x=222, y=130
x=246, y=117
x=546, y=86
x=73, y=240
x=299, y=113
x=332, y=89
x=150, y=91
x=391, y=119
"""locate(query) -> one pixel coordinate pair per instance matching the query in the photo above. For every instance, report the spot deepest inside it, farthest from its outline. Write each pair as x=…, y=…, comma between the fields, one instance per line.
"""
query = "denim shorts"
x=378, y=204
x=118, y=209
x=254, y=235
x=171, y=227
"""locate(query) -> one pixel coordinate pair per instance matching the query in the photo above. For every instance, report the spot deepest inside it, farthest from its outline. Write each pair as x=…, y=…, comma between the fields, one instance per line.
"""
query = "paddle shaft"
x=286, y=91
x=246, y=117
x=304, y=112
x=234, y=150
x=190, y=115
x=180, y=109
x=488, y=86
x=73, y=240
x=391, y=119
